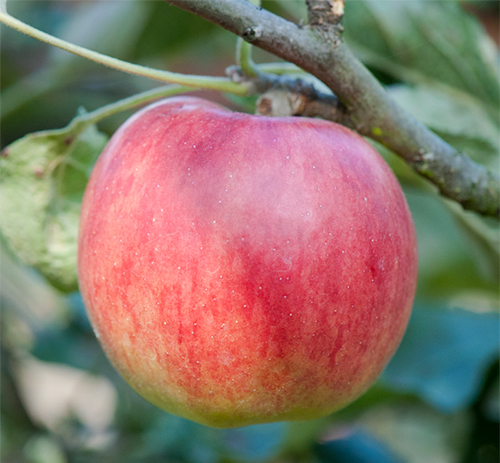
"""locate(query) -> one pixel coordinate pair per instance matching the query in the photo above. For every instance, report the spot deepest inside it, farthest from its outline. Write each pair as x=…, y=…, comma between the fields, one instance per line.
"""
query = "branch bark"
x=319, y=50
x=325, y=12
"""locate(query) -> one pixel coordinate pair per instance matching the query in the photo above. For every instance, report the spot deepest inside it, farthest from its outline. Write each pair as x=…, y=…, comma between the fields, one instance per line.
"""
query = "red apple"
x=241, y=269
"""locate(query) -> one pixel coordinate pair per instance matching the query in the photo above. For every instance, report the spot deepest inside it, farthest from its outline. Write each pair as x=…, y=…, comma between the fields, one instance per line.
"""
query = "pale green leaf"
x=484, y=238
x=43, y=179
x=455, y=116
x=425, y=42
x=111, y=28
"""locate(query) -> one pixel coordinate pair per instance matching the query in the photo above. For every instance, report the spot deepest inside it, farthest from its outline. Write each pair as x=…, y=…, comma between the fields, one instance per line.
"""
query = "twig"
x=319, y=50
x=325, y=12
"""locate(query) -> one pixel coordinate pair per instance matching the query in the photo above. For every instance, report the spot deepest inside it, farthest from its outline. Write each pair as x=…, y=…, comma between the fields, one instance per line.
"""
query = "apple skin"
x=241, y=269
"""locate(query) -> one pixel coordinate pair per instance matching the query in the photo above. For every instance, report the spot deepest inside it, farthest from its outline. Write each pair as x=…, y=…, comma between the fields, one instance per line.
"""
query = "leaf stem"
x=82, y=121
x=280, y=68
x=213, y=83
x=244, y=58
x=244, y=53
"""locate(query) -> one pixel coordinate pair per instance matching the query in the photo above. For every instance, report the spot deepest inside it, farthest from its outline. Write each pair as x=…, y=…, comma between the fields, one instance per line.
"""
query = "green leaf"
x=449, y=262
x=425, y=42
x=352, y=444
x=44, y=449
x=295, y=9
x=254, y=443
x=484, y=239
x=416, y=434
x=43, y=179
x=111, y=28
x=444, y=356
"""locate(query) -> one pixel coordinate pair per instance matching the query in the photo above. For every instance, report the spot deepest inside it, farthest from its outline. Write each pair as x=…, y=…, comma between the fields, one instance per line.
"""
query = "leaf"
x=295, y=9
x=417, y=434
x=448, y=263
x=69, y=346
x=444, y=356
x=41, y=306
x=44, y=449
x=174, y=436
x=455, y=116
x=44, y=177
x=256, y=443
x=484, y=238
x=354, y=445
x=111, y=28
x=173, y=34
x=422, y=42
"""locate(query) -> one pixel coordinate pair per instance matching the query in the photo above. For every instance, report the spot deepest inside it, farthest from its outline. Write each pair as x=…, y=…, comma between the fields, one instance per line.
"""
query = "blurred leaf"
x=111, y=28
x=182, y=439
x=484, y=237
x=464, y=123
x=418, y=434
x=301, y=435
x=44, y=176
x=255, y=443
x=444, y=355
x=44, y=449
x=68, y=346
x=354, y=445
x=170, y=30
x=491, y=405
x=460, y=119
x=39, y=306
x=425, y=42
x=177, y=437
x=447, y=262
x=296, y=9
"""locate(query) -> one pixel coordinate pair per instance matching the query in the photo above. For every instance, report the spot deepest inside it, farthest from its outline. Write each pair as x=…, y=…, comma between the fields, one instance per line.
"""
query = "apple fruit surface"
x=242, y=269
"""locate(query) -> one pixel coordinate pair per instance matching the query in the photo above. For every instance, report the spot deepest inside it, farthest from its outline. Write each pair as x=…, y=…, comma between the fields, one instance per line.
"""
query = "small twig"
x=325, y=12
x=285, y=103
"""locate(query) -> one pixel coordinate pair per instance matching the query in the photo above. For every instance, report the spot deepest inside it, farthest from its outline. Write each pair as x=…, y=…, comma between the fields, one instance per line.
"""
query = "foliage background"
x=438, y=400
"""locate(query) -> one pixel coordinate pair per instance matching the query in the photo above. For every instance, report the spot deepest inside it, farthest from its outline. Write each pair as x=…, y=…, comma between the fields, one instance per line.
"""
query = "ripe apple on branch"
x=244, y=269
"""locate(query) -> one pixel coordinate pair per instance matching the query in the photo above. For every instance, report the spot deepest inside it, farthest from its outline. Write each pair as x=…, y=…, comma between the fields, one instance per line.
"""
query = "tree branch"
x=318, y=49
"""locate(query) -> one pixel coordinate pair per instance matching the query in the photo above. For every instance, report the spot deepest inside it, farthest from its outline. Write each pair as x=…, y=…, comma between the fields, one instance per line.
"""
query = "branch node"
x=251, y=34
x=236, y=74
x=279, y=103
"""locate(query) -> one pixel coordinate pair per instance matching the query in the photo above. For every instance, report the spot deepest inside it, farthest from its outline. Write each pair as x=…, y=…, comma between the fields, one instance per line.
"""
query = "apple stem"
x=223, y=84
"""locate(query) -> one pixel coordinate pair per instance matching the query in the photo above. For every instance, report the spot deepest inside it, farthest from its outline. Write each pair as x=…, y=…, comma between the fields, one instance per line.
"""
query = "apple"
x=242, y=269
